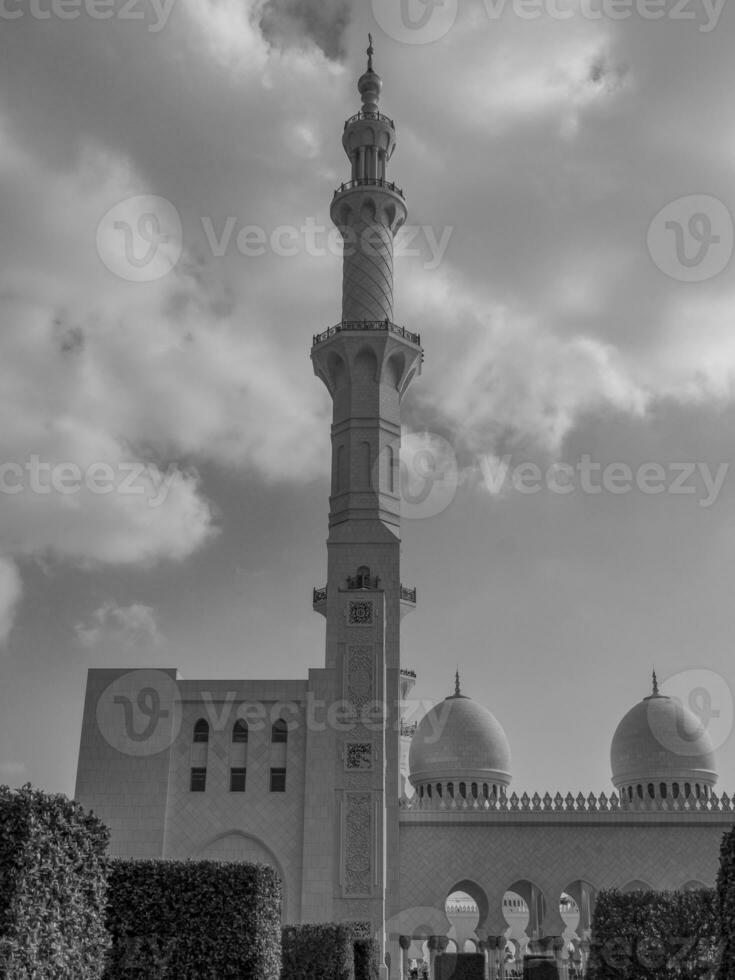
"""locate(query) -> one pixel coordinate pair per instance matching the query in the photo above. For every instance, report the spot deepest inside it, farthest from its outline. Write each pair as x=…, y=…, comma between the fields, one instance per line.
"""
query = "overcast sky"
x=166, y=171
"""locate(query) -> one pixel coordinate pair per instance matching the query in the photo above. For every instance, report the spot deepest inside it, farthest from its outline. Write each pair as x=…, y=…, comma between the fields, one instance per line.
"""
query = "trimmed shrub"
x=367, y=959
x=462, y=966
x=726, y=906
x=193, y=920
x=654, y=936
x=318, y=952
x=52, y=887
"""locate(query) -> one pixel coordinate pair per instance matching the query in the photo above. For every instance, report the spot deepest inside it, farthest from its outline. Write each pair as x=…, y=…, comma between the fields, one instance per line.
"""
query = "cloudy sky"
x=166, y=170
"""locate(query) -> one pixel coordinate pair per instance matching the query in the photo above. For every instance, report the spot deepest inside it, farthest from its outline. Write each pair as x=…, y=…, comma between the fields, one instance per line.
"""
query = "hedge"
x=367, y=959
x=726, y=906
x=52, y=887
x=654, y=936
x=193, y=920
x=465, y=966
x=318, y=952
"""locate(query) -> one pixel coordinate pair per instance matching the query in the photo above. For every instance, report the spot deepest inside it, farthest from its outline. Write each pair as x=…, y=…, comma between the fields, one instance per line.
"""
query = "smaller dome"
x=459, y=739
x=661, y=740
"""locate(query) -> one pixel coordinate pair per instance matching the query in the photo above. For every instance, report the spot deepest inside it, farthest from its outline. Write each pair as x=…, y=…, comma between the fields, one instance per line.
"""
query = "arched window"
x=639, y=790
x=463, y=790
x=438, y=789
x=201, y=731
x=279, y=731
x=651, y=791
x=675, y=791
x=450, y=789
x=697, y=791
x=421, y=792
x=239, y=756
x=199, y=751
x=240, y=731
x=428, y=790
x=485, y=790
x=687, y=789
x=474, y=791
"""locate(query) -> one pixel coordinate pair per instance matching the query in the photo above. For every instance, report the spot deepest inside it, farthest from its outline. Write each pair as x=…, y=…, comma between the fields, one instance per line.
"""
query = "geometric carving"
x=359, y=755
x=360, y=612
x=358, y=843
x=359, y=687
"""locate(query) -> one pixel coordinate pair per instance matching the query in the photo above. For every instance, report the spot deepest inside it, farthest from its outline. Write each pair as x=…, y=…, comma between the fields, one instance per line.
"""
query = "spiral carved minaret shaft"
x=368, y=209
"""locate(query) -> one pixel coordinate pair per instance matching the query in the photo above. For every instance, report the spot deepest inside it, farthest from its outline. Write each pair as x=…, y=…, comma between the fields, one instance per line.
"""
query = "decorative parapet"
x=319, y=596
x=360, y=325
x=567, y=804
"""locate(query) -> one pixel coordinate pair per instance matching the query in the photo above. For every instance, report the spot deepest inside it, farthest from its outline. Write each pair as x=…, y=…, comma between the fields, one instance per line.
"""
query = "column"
x=405, y=944
x=561, y=963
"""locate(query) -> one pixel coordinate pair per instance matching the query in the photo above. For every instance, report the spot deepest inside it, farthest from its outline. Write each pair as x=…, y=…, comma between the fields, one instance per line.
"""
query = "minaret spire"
x=370, y=53
x=655, y=684
x=457, y=691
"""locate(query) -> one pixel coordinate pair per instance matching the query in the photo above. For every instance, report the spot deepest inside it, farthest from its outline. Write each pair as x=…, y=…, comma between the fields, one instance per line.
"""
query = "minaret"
x=366, y=362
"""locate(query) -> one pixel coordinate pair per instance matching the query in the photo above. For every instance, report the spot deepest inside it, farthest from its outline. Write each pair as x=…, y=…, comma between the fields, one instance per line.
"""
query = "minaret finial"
x=457, y=692
x=370, y=53
x=655, y=684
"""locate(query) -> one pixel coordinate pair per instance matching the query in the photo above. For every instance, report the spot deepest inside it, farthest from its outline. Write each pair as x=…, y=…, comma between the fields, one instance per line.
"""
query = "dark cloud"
x=322, y=21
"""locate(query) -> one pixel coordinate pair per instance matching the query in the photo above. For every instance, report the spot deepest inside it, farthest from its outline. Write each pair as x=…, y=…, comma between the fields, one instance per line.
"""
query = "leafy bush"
x=193, y=920
x=52, y=887
x=654, y=936
x=318, y=952
x=367, y=959
x=726, y=906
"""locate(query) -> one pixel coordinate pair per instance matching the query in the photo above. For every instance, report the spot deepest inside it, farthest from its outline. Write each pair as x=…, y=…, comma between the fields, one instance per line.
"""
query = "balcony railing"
x=405, y=672
x=369, y=182
x=370, y=115
x=407, y=595
x=414, y=338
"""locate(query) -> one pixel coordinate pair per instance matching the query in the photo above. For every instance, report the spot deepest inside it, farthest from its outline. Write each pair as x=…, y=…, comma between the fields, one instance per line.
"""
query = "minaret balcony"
x=377, y=116
x=319, y=598
x=388, y=185
x=360, y=325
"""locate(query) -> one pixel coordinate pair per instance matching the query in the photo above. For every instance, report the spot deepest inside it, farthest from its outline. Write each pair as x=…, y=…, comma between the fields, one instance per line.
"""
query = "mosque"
x=368, y=817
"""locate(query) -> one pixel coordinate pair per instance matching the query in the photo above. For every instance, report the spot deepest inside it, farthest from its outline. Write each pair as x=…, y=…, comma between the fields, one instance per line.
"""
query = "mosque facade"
x=414, y=829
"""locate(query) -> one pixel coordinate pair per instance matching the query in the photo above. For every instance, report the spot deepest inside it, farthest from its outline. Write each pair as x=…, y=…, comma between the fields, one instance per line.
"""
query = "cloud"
x=323, y=22
x=11, y=770
x=132, y=626
x=10, y=593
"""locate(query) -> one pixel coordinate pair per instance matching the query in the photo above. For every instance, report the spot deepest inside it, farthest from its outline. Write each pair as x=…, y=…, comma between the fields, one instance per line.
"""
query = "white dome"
x=660, y=739
x=459, y=739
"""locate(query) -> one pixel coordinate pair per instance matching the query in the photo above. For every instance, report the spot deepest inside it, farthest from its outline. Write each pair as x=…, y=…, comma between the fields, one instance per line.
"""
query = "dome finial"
x=457, y=692
x=655, y=684
x=370, y=53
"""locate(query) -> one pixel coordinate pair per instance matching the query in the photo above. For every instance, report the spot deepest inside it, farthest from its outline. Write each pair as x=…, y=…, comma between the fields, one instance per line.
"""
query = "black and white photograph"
x=367, y=490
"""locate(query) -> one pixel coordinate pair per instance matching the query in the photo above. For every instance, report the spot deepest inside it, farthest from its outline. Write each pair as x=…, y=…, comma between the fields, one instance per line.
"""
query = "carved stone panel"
x=360, y=612
x=359, y=755
x=360, y=678
x=358, y=844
